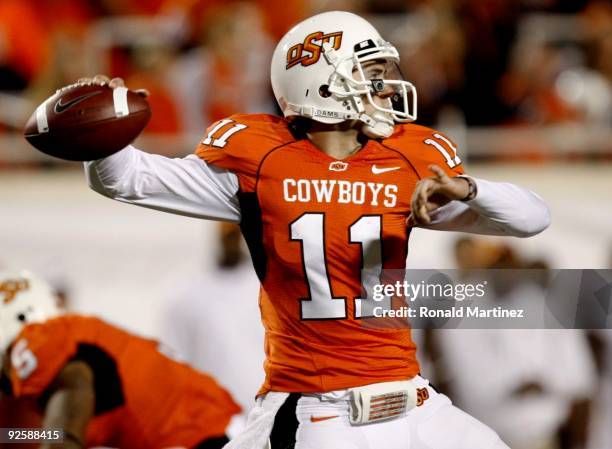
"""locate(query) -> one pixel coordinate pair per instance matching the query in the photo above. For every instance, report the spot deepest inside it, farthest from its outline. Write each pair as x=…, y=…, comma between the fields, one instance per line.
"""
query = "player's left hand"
x=434, y=192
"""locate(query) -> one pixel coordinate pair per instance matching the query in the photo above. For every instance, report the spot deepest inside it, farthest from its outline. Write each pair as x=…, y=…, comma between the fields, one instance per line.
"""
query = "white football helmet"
x=24, y=299
x=319, y=71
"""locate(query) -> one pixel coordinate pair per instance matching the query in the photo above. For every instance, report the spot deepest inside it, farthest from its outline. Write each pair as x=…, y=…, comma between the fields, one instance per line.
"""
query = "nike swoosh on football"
x=61, y=107
x=378, y=171
x=321, y=418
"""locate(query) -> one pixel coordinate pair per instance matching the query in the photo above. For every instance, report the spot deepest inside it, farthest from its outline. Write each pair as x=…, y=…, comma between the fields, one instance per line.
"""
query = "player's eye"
x=373, y=73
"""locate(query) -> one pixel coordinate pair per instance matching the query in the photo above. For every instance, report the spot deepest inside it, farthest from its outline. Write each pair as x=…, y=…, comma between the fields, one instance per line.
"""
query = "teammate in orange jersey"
x=326, y=198
x=102, y=385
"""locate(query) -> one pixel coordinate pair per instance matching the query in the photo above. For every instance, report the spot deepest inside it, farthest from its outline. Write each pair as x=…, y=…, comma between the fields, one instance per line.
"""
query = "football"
x=86, y=122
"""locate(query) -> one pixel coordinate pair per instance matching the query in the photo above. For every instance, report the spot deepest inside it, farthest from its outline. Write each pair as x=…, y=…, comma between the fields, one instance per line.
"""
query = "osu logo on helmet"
x=309, y=51
x=10, y=288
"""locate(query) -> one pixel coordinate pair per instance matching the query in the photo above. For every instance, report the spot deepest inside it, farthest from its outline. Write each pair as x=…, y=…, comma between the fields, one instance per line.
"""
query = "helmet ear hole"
x=21, y=317
x=324, y=91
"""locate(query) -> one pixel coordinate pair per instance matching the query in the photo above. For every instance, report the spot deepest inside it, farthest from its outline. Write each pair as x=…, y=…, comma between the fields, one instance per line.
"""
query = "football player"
x=100, y=384
x=325, y=193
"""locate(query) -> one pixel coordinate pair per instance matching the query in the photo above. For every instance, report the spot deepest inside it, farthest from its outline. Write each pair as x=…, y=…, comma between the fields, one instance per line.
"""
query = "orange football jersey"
x=312, y=223
x=143, y=398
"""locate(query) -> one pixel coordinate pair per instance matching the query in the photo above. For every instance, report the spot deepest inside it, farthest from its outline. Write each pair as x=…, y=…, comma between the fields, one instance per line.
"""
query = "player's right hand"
x=103, y=80
x=434, y=192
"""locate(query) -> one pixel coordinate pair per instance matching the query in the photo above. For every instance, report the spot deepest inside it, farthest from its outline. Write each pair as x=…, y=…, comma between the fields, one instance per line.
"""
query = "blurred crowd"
x=474, y=62
x=538, y=388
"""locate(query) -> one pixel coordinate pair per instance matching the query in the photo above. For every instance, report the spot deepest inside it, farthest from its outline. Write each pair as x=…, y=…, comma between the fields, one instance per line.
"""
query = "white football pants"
x=321, y=422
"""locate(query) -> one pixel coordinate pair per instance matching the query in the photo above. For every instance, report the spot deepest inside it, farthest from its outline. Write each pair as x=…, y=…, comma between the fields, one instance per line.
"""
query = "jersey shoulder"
x=240, y=142
x=38, y=355
x=423, y=146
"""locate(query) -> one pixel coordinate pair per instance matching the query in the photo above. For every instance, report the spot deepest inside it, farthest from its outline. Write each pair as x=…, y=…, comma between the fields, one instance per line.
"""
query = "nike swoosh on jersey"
x=61, y=107
x=321, y=418
x=378, y=171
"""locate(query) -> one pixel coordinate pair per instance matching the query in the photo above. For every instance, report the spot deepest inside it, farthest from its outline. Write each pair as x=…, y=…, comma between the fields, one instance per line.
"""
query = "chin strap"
x=378, y=131
x=313, y=113
x=379, y=125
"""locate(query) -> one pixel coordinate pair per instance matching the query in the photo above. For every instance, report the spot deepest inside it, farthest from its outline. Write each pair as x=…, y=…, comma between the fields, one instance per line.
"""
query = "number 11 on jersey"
x=309, y=229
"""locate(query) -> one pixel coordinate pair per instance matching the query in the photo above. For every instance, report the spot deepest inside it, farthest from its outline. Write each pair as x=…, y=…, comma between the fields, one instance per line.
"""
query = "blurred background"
x=523, y=86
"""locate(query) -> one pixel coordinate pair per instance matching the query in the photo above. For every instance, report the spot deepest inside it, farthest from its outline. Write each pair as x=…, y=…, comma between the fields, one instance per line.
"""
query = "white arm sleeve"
x=187, y=186
x=499, y=208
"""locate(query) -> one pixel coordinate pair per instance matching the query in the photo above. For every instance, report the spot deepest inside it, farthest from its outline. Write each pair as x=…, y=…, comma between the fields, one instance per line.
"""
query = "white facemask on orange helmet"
x=24, y=299
x=318, y=72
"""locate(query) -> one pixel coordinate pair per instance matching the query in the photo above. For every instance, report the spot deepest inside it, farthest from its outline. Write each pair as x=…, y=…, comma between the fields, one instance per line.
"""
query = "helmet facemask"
x=370, y=74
